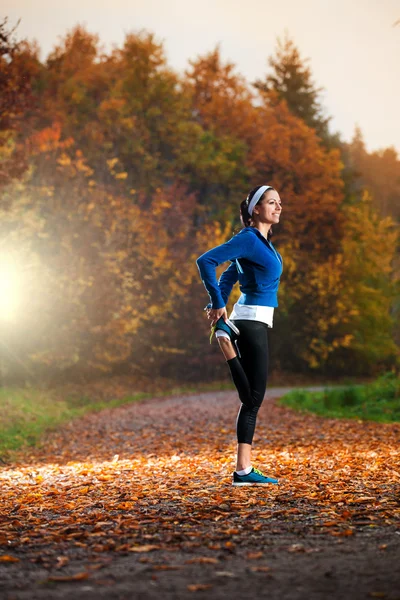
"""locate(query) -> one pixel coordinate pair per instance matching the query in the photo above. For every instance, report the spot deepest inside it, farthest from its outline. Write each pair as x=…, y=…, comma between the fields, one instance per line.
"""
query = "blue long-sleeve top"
x=254, y=262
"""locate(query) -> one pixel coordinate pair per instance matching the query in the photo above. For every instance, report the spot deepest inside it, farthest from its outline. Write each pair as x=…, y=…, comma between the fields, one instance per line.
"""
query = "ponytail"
x=244, y=214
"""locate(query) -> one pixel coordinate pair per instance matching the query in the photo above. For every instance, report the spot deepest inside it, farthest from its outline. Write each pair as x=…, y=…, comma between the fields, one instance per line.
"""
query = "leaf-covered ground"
x=137, y=502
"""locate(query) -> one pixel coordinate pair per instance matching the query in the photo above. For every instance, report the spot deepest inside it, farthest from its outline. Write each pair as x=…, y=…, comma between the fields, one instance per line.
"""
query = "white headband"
x=256, y=197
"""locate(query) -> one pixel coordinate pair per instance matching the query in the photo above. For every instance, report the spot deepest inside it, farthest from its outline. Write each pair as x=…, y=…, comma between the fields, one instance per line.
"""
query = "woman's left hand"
x=213, y=314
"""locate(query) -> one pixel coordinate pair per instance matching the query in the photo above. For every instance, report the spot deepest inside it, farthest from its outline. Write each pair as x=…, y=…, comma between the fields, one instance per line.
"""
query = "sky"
x=353, y=46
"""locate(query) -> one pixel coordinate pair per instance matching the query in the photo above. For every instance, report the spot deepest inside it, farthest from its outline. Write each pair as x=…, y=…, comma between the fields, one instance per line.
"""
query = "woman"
x=243, y=337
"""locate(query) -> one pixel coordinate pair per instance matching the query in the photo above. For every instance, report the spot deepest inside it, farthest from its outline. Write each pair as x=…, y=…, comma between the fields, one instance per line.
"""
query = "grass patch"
x=25, y=414
x=376, y=401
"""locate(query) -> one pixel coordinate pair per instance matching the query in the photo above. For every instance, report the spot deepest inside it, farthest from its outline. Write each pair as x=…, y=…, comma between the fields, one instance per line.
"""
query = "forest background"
x=116, y=173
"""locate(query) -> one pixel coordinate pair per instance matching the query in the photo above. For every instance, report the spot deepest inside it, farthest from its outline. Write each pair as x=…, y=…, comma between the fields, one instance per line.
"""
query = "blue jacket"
x=255, y=263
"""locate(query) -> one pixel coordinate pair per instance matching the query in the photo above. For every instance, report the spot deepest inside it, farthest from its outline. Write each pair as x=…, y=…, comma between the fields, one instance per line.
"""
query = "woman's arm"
x=227, y=280
x=240, y=246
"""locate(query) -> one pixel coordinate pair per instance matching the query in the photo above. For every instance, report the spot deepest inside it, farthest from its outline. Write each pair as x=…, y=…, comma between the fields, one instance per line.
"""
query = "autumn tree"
x=344, y=322
x=133, y=172
x=371, y=287
x=379, y=173
x=127, y=107
x=18, y=67
x=272, y=145
x=110, y=280
x=291, y=80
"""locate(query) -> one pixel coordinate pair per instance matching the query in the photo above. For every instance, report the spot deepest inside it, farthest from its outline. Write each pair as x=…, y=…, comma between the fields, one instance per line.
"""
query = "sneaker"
x=228, y=326
x=255, y=477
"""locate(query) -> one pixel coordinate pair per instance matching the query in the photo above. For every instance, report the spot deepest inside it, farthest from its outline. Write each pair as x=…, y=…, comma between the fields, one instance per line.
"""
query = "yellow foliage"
x=112, y=162
x=64, y=160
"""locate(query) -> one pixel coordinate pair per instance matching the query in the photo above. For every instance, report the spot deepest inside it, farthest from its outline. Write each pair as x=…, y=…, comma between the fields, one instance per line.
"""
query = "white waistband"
x=250, y=312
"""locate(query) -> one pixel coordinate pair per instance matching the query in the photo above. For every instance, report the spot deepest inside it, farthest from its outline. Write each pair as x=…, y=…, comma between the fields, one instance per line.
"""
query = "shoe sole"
x=238, y=484
x=232, y=326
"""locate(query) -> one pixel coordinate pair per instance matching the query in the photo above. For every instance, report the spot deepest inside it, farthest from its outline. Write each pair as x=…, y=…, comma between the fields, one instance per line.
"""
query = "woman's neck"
x=263, y=228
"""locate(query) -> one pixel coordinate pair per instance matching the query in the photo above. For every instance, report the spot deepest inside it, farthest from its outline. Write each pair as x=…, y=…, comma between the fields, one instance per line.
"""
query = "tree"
x=291, y=80
x=18, y=66
x=338, y=316
x=379, y=173
x=135, y=171
x=370, y=289
x=269, y=144
x=221, y=105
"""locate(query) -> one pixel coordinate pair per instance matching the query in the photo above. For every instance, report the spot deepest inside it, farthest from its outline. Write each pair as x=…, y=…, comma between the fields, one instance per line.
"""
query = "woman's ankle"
x=243, y=470
x=243, y=457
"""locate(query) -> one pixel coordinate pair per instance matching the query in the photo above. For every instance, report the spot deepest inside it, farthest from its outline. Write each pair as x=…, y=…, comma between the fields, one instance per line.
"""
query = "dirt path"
x=136, y=502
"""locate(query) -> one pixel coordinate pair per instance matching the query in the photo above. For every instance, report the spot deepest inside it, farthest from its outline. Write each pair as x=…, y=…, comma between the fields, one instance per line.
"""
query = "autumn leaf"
x=203, y=560
x=77, y=577
x=197, y=587
x=296, y=548
x=145, y=548
x=254, y=555
x=343, y=533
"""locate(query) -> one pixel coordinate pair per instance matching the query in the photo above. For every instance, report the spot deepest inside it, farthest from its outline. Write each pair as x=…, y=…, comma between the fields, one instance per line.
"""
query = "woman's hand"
x=213, y=314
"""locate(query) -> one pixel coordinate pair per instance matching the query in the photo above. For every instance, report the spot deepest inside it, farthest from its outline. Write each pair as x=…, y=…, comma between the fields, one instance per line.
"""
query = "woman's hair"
x=245, y=217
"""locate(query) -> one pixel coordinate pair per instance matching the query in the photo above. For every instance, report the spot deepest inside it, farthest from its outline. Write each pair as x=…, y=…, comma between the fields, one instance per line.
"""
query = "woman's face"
x=269, y=209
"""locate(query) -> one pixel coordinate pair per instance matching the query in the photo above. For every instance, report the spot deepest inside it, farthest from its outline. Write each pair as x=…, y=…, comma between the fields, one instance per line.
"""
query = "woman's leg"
x=249, y=374
x=227, y=348
x=243, y=457
x=240, y=380
x=253, y=348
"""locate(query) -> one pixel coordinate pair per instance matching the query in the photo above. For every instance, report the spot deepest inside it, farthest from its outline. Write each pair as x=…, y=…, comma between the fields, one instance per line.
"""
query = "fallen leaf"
x=197, y=587
x=166, y=567
x=77, y=577
x=296, y=548
x=202, y=560
x=62, y=561
x=344, y=533
x=8, y=558
x=261, y=569
x=145, y=548
x=254, y=555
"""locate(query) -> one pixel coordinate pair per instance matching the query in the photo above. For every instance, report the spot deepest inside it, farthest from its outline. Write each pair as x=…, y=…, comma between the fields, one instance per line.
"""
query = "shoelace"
x=213, y=328
x=258, y=472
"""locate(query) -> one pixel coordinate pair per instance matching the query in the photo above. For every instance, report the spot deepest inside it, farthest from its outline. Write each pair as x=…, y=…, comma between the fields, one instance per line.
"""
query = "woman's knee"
x=227, y=347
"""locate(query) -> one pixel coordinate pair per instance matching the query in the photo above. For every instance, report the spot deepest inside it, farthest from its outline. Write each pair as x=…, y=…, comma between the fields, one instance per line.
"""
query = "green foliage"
x=377, y=401
x=27, y=414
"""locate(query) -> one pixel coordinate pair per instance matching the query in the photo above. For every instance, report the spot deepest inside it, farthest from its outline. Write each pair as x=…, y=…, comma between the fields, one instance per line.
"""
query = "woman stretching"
x=243, y=337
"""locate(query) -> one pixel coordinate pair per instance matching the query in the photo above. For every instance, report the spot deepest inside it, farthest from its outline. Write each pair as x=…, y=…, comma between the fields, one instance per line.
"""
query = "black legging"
x=249, y=372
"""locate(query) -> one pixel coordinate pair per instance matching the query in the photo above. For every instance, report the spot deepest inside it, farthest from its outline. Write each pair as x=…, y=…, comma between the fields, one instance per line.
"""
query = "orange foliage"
x=134, y=172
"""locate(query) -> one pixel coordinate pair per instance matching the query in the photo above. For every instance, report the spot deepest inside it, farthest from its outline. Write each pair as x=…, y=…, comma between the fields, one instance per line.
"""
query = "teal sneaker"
x=255, y=477
x=228, y=326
